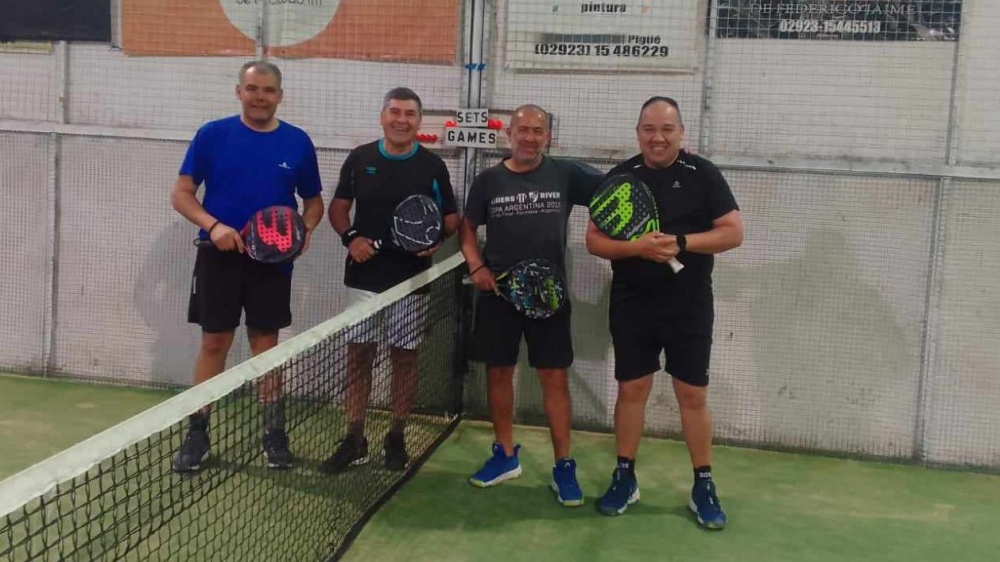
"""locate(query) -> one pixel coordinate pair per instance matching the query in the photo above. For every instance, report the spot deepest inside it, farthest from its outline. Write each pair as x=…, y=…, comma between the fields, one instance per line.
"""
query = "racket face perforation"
x=624, y=208
x=534, y=287
x=416, y=224
x=275, y=234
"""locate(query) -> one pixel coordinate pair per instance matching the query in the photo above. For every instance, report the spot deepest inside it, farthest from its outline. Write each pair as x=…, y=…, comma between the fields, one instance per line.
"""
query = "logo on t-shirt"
x=370, y=170
x=285, y=166
x=525, y=204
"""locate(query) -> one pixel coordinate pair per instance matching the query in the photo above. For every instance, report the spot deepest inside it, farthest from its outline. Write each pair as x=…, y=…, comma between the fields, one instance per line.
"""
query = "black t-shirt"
x=377, y=181
x=690, y=194
x=526, y=214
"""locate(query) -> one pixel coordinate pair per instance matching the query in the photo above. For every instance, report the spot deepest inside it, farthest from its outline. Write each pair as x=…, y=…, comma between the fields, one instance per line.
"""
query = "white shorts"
x=402, y=322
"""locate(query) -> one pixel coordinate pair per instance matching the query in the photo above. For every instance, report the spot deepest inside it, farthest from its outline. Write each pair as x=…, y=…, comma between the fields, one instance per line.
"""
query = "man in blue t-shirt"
x=247, y=162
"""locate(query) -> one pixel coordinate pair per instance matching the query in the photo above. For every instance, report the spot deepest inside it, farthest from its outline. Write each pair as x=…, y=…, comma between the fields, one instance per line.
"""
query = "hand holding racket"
x=272, y=235
x=624, y=209
x=534, y=288
x=415, y=227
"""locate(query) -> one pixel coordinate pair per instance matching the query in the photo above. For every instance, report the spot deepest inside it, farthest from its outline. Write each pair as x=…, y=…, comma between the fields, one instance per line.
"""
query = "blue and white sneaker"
x=705, y=505
x=497, y=468
x=624, y=491
x=564, y=483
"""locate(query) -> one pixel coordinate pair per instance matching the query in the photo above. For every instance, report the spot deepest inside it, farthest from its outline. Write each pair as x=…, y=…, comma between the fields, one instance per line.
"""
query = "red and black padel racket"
x=272, y=235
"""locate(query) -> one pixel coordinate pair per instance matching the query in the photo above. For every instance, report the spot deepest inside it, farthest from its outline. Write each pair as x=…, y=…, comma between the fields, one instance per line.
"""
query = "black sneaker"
x=276, y=449
x=395, y=451
x=193, y=452
x=353, y=450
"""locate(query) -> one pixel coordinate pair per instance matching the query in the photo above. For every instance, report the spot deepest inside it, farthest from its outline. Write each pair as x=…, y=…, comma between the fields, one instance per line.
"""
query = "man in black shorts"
x=247, y=162
x=654, y=310
x=525, y=203
x=378, y=176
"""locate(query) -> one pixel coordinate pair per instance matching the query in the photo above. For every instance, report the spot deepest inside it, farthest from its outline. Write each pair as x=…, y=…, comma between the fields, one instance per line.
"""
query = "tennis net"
x=116, y=496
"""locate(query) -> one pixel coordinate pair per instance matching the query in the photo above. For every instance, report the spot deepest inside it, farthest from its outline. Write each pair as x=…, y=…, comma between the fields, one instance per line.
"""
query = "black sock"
x=626, y=463
x=356, y=429
x=198, y=421
x=397, y=426
x=702, y=473
x=274, y=415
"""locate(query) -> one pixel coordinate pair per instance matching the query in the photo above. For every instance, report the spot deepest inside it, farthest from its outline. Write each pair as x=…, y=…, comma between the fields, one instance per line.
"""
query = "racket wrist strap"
x=349, y=236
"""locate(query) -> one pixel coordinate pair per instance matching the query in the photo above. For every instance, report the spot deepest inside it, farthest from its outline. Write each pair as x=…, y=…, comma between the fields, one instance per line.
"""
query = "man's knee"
x=691, y=397
x=636, y=390
x=216, y=344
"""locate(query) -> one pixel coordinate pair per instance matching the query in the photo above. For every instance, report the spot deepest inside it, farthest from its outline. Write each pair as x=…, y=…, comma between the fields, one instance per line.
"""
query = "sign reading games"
x=651, y=35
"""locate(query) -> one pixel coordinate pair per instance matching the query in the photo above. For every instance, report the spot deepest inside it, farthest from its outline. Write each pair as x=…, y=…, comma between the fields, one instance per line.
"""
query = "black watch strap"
x=682, y=242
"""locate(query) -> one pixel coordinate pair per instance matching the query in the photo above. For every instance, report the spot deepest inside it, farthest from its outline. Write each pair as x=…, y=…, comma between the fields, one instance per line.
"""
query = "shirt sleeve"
x=476, y=201
x=309, y=184
x=444, y=193
x=720, y=196
x=196, y=160
x=345, y=187
x=583, y=182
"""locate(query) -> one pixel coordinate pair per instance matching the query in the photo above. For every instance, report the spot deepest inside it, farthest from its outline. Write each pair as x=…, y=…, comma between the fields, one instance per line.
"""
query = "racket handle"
x=676, y=265
x=204, y=243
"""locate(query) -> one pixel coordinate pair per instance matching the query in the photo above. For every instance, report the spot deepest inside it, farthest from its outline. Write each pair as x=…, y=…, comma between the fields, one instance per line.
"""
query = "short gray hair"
x=262, y=66
x=402, y=94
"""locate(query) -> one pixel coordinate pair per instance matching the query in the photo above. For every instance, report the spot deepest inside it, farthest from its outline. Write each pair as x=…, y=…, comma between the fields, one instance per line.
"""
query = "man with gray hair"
x=378, y=176
x=247, y=162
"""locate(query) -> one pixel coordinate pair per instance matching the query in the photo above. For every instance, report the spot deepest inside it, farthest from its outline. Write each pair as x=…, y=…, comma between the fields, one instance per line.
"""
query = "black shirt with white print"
x=526, y=214
x=690, y=194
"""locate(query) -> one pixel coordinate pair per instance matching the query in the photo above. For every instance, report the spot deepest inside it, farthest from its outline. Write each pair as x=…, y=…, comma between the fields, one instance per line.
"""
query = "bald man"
x=525, y=203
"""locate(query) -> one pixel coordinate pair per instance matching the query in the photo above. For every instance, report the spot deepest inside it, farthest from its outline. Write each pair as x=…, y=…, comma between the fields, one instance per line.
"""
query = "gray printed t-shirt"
x=526, y=214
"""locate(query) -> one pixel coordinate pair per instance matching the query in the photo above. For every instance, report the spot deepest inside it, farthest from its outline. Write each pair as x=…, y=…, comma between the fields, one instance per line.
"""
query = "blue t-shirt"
x=246, y=170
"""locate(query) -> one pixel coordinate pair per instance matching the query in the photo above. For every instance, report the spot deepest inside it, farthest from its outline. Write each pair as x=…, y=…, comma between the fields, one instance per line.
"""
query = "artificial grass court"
x=781, y=506
x=40, y=417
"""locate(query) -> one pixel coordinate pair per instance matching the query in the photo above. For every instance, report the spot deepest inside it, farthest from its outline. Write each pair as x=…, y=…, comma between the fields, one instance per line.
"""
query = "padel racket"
x=416, y=225
x=272, y=235
x=534, y=287
x=624, y=209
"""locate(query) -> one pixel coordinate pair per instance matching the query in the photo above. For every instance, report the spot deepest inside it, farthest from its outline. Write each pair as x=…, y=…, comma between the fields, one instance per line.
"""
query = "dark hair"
x=402, y=94
x=657, y=99
x=264, y=67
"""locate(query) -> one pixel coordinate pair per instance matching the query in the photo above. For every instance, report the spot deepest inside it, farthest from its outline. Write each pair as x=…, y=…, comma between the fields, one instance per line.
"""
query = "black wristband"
x=211, y=228
x=349, y=237
x=682, y=242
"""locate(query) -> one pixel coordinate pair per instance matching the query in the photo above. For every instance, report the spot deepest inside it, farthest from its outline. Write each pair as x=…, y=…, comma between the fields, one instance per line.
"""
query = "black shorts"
x=226, y=283
x=496, y=335
x=641, y=330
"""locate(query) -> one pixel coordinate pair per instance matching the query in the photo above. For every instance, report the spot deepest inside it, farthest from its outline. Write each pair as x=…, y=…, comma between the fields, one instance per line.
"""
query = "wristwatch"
x=682, y=242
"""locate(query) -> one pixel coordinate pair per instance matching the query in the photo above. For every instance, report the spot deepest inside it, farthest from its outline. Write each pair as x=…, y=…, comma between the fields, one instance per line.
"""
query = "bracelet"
x=211, y=228
x=349, y=236
x=471, y=273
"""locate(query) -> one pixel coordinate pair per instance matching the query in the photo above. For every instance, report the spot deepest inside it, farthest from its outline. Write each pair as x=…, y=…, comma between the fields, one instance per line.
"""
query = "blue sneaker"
x=705, y=505
x=624, y=491
x=564, y=483
x=498, y=468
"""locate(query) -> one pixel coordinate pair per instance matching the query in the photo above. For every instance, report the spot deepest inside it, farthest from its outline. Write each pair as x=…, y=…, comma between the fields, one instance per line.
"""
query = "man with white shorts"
x=377, y=176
